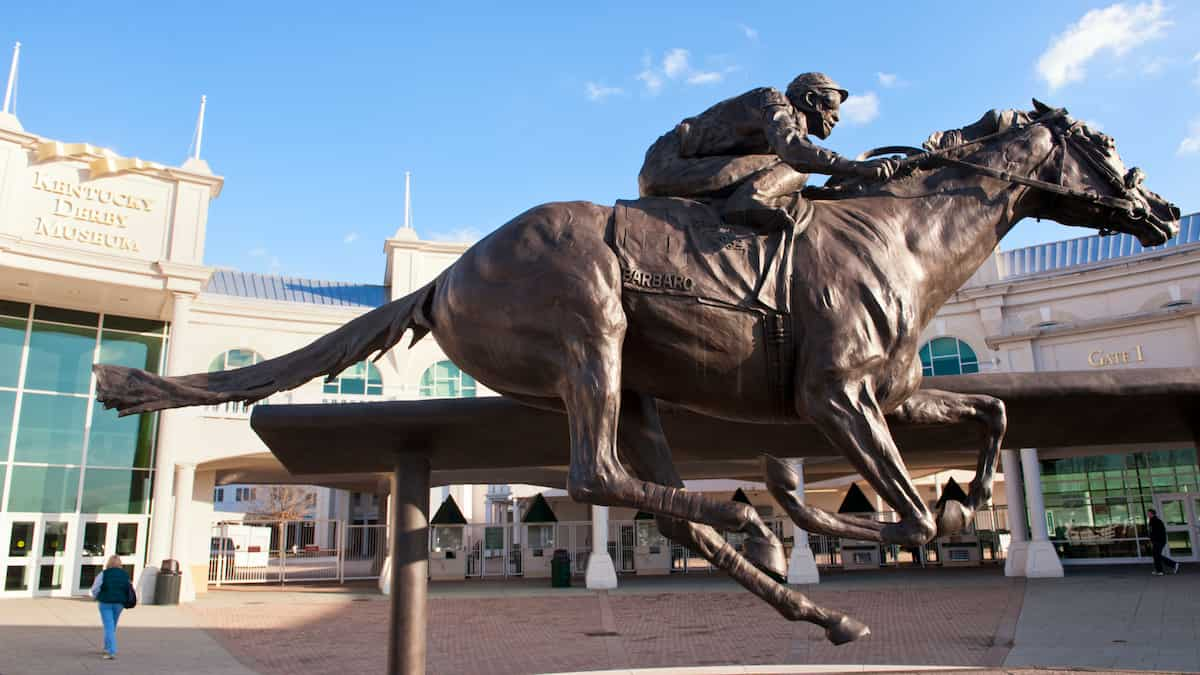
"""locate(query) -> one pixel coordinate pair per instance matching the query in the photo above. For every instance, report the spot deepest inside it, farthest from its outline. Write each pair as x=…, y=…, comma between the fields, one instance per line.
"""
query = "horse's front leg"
x=850, y=417
x=933, y=406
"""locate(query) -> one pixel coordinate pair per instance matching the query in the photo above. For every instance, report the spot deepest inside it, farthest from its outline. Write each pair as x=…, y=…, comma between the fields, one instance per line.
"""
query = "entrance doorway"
x=1180, y=513
x=61, y=554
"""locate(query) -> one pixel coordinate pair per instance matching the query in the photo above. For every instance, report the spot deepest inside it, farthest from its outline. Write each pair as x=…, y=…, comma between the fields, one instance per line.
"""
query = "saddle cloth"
x=680, y=247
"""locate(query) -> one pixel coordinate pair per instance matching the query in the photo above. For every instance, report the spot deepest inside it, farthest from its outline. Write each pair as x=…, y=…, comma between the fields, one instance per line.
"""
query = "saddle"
x=680, y=247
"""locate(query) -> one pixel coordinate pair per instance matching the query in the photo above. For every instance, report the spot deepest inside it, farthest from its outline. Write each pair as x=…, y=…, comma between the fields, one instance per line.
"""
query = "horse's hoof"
x=779, y=474
x=767, y=555
x=952, y=518
x=846, y=630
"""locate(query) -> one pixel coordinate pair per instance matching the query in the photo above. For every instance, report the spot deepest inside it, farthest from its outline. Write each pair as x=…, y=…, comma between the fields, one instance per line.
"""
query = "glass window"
x=8, y=400
x=50, y=578
x=127, y=538
x=87, y=574
x=60, y=315
x=51, y=429
x=17, y=310
x=54, y=540
x=115, y=491
x=60, y=358
x=12, y=341
x=15, y=578
x=360, y=378
x=20, y=541
x=93, y=538
x=234, y=358
x=446, y=380
x=45, y=489
x=948, y=356
x=447, y=538
x=541, y=536
x=135, y=351
x=133, y=325
x=121, y=441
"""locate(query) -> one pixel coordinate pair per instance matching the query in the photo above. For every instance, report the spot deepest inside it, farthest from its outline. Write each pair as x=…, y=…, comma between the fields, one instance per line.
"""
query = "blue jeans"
x=109, y=613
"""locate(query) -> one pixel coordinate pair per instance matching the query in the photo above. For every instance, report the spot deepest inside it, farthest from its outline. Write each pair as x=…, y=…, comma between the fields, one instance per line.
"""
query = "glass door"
x=36, y=551
x=1179, y=514
x=104, y=536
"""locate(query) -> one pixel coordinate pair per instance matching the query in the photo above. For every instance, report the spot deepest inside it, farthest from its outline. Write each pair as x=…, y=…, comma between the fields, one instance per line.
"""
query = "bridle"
x=1128, y=203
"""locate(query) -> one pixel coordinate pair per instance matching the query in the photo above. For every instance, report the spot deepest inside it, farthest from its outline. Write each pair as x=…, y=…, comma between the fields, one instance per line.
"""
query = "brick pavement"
x=519, y=627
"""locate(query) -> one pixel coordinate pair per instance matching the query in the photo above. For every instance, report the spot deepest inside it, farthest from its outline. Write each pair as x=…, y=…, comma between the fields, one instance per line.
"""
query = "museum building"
x=102, y=261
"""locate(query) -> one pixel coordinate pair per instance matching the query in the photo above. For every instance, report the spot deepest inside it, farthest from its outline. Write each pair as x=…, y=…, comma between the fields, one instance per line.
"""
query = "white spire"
x=200, y=126
x=408, y=200
x=406, y=230
x=194, y=163
x=12, y=79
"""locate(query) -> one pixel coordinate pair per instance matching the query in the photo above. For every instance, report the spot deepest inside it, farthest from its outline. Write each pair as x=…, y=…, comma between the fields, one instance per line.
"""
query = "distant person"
x=114, y=591
x=1158, y=542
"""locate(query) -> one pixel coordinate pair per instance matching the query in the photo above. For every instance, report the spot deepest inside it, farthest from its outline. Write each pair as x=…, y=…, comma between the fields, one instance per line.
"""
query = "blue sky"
x=316, y=110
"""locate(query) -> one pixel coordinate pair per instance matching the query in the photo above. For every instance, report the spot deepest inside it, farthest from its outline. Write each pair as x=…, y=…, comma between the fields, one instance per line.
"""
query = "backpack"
x=130, y=597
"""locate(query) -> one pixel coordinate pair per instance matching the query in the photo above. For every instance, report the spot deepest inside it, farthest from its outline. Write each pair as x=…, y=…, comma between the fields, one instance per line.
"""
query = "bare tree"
x=283, y=502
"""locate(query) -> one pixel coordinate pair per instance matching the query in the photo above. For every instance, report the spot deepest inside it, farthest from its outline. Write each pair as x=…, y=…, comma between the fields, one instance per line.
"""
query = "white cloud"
x=1117, y=28
x=889, y=80
x=861, y=109
x=275, y=264
x=749, y=32
x=675, y=63
x=258, y=252
x=705, y=77
x=1191, y=143
x=350, y=238
x=462, y=235
x=599, y=92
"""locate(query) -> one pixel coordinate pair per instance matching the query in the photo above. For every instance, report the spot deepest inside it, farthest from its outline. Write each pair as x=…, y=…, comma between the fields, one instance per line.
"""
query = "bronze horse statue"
x=537, y=311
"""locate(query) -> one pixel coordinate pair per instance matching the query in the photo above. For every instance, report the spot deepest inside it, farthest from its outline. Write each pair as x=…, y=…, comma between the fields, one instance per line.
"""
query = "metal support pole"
x=409, y=518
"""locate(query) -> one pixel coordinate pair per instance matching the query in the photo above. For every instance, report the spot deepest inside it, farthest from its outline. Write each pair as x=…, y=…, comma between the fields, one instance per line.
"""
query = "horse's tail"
x=130, y=390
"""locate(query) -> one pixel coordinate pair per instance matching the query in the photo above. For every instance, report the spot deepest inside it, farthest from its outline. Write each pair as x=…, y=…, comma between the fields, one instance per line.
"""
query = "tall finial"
x=407, y=200
x=200, y=127
x=12, y=78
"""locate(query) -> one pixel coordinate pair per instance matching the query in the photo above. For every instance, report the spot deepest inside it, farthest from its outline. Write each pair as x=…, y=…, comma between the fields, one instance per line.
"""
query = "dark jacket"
x=1158, y=531
x=114, y=587
x=760, y=122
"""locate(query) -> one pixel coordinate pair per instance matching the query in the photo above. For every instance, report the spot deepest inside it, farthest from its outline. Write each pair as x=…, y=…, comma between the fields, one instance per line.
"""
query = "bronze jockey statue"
x=750, y=155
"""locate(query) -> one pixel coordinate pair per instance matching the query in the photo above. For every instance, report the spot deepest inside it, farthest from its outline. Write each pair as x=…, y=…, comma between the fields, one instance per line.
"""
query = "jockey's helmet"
x=806, y=82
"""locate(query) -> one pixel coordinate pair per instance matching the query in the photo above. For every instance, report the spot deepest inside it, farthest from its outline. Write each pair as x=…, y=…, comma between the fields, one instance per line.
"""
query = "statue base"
x=601, y=575
x=1041, y=561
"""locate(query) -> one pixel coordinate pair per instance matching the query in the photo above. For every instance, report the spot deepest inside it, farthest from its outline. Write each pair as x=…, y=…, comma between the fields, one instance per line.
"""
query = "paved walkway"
x=1117, y=617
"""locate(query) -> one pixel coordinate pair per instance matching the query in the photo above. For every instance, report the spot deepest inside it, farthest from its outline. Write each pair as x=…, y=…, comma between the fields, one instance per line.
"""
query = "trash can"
x=560, y=569
x=166, y=586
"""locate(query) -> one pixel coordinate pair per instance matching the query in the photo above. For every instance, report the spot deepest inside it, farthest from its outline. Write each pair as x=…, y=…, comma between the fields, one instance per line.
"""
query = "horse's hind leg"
x=782, y=481
x=933, y=406
x=590, y=390
x=643, y=445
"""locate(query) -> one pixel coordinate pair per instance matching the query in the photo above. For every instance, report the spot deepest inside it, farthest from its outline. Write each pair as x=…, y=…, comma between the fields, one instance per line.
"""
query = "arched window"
x=234, y=358
x=446, y=380
x=360, y=378
x=948, y=356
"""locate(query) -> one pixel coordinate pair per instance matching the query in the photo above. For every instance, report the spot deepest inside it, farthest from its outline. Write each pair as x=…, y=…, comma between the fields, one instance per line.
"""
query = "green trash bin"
x=560, y=569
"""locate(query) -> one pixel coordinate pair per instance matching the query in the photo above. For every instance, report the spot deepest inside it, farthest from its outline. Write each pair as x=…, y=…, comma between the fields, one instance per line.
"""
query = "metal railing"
x=248, y=552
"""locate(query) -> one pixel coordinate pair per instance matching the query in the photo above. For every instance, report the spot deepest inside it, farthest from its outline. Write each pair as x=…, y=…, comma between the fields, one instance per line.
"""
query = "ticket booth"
x=447, y=553
x=652, y=551
x=540, y=525
x=856, y=554
x=962, y=549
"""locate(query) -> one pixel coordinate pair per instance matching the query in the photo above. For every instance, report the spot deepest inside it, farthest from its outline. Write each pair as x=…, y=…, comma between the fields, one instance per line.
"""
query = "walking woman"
x=112, y=589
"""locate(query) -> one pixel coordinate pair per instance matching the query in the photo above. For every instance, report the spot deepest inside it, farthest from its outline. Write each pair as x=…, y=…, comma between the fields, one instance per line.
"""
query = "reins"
x=941, y=156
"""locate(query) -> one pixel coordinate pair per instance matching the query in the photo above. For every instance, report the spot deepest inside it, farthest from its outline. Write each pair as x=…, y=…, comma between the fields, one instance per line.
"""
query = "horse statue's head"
x=1079, y=179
